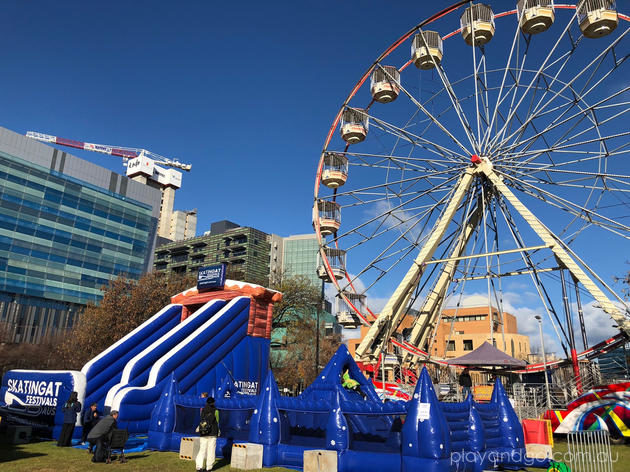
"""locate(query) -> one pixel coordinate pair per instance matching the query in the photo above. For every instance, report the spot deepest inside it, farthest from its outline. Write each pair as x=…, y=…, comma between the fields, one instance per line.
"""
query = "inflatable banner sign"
x=211, y=277
x=32, y=397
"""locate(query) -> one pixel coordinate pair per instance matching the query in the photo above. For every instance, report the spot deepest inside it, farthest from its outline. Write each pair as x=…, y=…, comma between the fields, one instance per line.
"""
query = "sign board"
x=35, y=398
x=246, y=387
x=211, y=277
x=424, y=411
x=483, y=393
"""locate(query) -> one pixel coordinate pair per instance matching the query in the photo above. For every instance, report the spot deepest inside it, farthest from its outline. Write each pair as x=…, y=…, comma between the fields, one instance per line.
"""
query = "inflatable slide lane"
x=105, y=370
x=216, y=349
x=136, y=371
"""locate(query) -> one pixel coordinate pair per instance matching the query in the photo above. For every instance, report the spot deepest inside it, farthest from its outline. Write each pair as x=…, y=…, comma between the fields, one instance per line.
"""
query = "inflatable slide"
x=202, y=338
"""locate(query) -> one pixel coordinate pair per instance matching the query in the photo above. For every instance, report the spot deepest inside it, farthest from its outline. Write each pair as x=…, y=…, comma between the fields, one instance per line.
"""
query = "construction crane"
x=142, y=166
x=125, y=152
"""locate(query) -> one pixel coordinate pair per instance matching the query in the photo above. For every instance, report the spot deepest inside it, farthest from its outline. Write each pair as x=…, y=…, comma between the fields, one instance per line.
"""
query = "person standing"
x=101, y=434
x=90, y=418
x=465, y=382
x=70, y=410
x=208, y=433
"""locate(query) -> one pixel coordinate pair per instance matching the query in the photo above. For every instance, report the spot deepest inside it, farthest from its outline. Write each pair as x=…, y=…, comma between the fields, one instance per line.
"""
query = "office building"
x=465, y=329
x=299, y=256
x=245, y=250
x=67, y=227
x=183, y=225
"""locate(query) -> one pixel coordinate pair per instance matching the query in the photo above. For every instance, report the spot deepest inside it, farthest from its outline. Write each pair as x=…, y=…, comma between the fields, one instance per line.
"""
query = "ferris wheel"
x=483, y=147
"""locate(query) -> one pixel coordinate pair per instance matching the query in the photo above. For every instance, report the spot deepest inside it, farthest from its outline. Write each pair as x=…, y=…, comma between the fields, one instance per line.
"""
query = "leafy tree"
x=300, y=299
x=125, y=305
x=295, y=366
x=295, y=322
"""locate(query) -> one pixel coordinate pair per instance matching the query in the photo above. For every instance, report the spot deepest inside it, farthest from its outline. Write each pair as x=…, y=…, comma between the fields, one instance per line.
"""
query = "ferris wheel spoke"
x=591, y=216
x=475, y=73
x=430, y=162
x=601, y=139
x=541, y=106
x=434, y=187
x=532, y=169
x=606, y=178
x=452, y=97
x=416, y=140
x=387, y=211
x=580, y=115
x=528, y=156
x=427, y=113
x=588, y=112
x=534, y=79
x=515, y=40
x=383, y=255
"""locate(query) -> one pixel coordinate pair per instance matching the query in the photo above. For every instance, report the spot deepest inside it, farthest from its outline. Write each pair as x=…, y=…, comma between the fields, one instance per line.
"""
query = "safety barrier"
x=589, y=451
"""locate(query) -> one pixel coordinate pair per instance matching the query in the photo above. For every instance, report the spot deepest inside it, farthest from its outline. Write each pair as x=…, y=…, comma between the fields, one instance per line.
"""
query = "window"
x=468, y=345
x=450, y=345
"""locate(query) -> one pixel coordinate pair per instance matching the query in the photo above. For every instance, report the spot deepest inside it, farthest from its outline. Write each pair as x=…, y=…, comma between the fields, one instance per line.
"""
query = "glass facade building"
x=299, y=257
x=66, y=228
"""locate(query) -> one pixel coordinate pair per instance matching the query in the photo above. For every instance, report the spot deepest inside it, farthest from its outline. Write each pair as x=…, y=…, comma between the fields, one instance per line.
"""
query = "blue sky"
x=244, y=91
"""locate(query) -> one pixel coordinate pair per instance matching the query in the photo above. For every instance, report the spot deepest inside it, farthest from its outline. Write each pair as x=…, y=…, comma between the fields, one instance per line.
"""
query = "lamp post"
x=320, y=308
x=542, y=346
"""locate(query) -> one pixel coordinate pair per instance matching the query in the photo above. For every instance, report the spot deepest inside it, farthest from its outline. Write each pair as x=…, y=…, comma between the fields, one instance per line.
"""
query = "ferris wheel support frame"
x=430, y=309
x=381, y=330
x=557, y=246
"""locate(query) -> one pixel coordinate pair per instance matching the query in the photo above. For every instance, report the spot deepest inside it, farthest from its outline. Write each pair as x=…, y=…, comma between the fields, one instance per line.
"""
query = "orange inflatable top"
x=234, y=287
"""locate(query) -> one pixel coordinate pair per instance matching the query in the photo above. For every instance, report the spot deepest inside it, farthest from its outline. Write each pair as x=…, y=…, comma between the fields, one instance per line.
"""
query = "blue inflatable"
x=367, y=435
x=226, y=336
x=154, y=376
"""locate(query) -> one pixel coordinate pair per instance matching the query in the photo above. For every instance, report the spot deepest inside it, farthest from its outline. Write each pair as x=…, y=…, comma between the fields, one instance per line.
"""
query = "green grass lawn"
x=46, y=456
x=620, y=454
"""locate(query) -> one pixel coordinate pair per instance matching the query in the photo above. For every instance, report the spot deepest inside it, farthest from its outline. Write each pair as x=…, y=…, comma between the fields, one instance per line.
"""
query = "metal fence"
x=589, y=451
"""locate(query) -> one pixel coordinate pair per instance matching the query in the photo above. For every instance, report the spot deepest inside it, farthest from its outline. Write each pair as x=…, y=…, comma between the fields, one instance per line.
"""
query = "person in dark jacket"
x=89, y=419
x=70, y=410
x=465, y=382
x=208, y=433
x=100, y=435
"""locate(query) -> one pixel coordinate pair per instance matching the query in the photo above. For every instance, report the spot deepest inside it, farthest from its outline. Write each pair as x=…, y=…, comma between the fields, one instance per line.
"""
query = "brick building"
x=464, y=330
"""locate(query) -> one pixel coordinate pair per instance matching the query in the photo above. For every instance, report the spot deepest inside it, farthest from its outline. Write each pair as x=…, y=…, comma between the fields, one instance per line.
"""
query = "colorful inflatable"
x=218, y=342
x=606, y=407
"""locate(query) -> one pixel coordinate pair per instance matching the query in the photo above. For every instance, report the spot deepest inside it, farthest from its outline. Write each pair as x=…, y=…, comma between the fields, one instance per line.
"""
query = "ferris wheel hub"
x=479, y=160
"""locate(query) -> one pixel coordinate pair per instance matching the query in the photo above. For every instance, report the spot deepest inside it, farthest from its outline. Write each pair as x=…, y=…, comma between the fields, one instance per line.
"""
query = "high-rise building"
x=299, y=256
x=183, y=225
x=245, y=250
x=67, y=227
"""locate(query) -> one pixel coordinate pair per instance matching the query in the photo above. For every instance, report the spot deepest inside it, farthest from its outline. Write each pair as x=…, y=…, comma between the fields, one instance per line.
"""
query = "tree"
x=295, y=366
x=125, y=305
x=300, y=299
x=26, y=355
x=295, y=323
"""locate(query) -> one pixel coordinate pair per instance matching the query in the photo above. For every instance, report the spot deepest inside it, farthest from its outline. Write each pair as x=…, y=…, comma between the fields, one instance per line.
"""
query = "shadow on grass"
x=132, y=456
x=10, y=452
x=222, y=462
